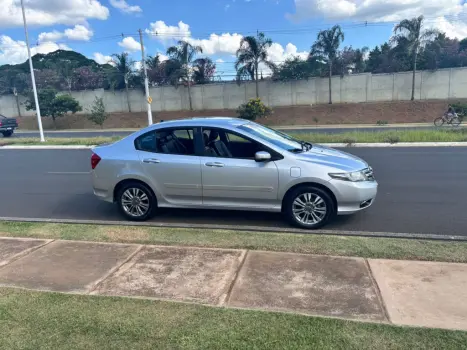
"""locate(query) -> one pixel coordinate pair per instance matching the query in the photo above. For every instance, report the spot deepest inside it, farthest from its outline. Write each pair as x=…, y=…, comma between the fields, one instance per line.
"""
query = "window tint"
x=146, y=142
x=225, y=144
x=175, y=141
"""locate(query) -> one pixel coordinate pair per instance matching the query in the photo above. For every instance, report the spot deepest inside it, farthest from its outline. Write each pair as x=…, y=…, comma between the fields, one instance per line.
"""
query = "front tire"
x=309, y=207
x=455, y=121
x=439, y=121
x=136, y=201
x=7, y=133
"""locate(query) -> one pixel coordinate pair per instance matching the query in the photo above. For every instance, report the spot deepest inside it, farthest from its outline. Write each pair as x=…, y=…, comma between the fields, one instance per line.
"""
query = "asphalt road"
x=422, y=190
x=84, y=134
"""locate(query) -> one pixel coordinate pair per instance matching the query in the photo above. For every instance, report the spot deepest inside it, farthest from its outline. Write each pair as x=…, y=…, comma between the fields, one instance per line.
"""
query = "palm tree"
x=180, y=65
x=326, y=48
x=252, y=52
x=203, y=70
x=360, y=59
x=123, y=72
x=410, y=33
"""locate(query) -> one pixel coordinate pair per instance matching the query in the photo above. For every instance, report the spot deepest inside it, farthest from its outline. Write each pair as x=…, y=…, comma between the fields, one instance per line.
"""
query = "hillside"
x=55, y=59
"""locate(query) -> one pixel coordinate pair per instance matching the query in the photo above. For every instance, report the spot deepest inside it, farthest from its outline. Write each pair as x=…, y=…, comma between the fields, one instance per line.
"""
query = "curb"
x=37, y=147
x=336, y=145
x=285, y=230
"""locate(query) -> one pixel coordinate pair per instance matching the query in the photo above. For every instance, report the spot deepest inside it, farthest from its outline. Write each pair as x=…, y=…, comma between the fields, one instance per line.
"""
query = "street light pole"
x=36, y=99
x=146, y=81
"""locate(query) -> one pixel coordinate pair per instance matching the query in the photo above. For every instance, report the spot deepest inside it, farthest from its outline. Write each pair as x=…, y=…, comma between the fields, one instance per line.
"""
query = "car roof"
x=203, y=121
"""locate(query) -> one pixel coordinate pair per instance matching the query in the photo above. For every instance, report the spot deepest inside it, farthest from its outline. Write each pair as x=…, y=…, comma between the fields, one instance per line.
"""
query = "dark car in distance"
x=7, y=125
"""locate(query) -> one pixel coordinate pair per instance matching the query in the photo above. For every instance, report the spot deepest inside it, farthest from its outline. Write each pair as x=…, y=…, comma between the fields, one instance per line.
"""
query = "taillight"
x=95, y=159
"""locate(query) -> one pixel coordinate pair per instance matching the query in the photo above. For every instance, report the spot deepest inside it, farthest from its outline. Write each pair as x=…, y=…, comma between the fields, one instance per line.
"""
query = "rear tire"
x=309, y=207
x=7, y=133
x=136, y=201
x=439, y=121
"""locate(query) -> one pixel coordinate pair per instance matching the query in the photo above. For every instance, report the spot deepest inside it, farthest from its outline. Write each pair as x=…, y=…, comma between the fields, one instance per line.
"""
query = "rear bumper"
x=102, y=188
x=353, y=197
x=7, y=128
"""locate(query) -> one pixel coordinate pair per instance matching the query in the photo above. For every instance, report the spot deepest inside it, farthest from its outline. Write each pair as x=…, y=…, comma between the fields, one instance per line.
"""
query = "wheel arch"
x=312, y=184
x=123, y=182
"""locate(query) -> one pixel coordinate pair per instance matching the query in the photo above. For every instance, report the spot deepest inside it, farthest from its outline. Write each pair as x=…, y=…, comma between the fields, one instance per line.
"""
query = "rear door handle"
x=215, y=164
x=151, y=160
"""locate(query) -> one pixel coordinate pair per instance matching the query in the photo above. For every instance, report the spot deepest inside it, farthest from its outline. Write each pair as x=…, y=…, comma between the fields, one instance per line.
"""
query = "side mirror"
x=262, y=156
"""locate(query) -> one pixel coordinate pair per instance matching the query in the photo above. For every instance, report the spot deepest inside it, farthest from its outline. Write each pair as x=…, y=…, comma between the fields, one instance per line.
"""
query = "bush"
x=392, y=139
x=460, y=108
x=382, y=122
x=253, y=110
x=97, y=112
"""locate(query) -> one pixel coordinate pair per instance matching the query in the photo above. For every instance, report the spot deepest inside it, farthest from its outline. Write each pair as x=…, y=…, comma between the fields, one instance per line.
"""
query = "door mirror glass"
x=262, y=156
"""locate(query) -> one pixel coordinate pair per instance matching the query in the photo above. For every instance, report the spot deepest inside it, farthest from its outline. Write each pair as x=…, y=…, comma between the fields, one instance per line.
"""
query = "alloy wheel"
x=309, y=208
x=135, y=202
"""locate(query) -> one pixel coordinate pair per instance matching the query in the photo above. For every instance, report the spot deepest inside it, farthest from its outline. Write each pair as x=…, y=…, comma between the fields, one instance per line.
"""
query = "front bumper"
x=353, y=196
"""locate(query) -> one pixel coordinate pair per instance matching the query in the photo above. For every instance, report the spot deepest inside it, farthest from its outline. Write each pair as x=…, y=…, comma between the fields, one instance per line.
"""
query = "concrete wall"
x=440, y=84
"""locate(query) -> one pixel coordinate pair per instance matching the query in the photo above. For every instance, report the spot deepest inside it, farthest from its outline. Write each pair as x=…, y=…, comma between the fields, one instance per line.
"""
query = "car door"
x=168, y=159
x=237, y=180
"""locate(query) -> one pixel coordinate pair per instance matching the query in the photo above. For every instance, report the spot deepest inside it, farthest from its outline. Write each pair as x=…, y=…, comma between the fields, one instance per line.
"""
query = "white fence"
x=440, y=84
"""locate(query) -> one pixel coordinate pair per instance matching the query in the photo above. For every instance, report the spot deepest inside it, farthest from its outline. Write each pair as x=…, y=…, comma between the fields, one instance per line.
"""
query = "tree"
x=297, y=69
x=359, y=59
x=53, y=105
x=203, y=70
x=410, y=34
x=326, y=48
x=85, y=78
x=180, y=65
x=97, y=112
x=252, y=52
x=122, y=73
x=14, y=82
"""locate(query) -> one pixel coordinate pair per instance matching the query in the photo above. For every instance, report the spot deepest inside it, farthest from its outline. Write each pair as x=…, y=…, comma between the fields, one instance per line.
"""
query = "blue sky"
x=94, y=27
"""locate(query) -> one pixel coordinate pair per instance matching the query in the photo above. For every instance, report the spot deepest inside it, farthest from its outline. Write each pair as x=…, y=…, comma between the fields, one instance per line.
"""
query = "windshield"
x=275, y=137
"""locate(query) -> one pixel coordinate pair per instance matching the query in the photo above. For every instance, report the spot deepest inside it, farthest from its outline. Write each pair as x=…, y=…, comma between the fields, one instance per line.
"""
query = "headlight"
x=355, y=176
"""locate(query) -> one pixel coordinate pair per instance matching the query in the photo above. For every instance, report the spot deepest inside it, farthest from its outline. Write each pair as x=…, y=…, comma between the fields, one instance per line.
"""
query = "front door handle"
x=215, y=164
x=151, y=160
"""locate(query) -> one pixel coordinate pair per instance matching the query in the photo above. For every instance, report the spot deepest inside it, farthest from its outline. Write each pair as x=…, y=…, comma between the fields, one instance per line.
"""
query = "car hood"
x=332, y=158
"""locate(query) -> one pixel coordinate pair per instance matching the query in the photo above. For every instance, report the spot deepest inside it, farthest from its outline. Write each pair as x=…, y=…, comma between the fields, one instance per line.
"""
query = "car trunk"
x=6, y=123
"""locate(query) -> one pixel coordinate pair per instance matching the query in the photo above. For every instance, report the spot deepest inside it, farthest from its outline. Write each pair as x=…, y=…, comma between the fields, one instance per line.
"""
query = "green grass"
x=435, y=135
x=385, y=248
x=394, y=136
x=59, y=141
x=35, y=320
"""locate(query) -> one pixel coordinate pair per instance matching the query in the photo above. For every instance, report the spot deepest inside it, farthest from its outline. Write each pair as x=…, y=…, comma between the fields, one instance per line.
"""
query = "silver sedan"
x=228, y=163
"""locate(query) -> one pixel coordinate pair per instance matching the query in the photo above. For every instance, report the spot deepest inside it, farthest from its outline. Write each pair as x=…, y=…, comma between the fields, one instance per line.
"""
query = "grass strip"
x=382, y=248
x=52, y=141
x=37, y=320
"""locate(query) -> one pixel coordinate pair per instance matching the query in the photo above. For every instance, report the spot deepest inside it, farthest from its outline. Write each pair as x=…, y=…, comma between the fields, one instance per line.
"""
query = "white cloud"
x=130, y=44
x=50, y=36
x=162, y=32
x=79, y=32
x=218, y=44
x=447, y=15
x=50, y=12
x=162, y=57
x=102, y=59
x=277, y=53
x=220, y=60
x=13, y=52
x=453, y=30
x=123, y=6
x=374, y=10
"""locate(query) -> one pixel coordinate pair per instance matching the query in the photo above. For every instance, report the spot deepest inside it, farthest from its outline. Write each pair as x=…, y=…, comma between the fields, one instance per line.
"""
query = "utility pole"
x=33, y=79
x=146, y=81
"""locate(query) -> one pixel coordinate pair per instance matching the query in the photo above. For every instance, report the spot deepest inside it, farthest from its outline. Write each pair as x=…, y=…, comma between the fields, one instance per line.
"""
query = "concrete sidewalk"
x=388, y=291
